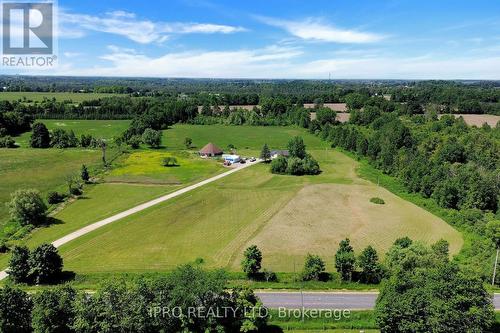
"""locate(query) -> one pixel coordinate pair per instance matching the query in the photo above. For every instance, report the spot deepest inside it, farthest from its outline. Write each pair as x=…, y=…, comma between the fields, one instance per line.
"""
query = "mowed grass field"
x=59, y=96
x=286, y=216
x=42, y=169
x=101, y=129
x=244, y=138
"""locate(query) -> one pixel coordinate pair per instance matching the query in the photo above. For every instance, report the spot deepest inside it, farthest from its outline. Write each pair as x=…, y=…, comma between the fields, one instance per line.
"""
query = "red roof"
x=211, y=149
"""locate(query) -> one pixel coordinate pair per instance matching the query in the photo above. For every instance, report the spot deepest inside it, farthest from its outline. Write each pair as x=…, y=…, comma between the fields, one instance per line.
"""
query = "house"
x=231, y=158
x=210, y=150
x=276, y=153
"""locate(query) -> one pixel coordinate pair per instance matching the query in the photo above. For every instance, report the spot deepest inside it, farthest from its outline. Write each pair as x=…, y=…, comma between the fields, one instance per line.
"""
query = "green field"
x=286, y=216
x=145, y=167
x=242, y=137
x=42, y=169
x=102, y=129
x=59, y=96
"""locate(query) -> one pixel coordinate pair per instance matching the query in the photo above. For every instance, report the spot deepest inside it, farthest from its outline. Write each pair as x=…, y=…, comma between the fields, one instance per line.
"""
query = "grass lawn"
x=242, y=137
x=60, y=96
x=103, y=129
x=146, y=167
x=352, y=321
x=42, y=169
x=286, y=216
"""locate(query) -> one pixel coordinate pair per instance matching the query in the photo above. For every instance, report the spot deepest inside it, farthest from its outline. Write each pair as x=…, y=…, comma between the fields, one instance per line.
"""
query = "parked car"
x=243, y=161
x=253, y=159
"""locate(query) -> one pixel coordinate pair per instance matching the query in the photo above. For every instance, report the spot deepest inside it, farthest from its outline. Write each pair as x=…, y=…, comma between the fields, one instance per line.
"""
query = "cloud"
x=317, y=30
x=276, y=62
x=127, y=24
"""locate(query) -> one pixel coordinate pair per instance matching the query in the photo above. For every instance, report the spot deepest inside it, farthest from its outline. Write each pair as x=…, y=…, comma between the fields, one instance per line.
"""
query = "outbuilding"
x=210, y=150
x=276, y=153
x=231, y=158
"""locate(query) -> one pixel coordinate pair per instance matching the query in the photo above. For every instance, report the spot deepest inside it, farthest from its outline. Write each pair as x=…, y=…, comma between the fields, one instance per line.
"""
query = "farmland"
x=42, y=169
x=102, y=129
x=276, y=212
x=59, y=96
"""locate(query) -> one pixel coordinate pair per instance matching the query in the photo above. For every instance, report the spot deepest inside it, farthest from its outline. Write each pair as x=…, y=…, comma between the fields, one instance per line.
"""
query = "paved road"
x=91, y=227
x=328, y=300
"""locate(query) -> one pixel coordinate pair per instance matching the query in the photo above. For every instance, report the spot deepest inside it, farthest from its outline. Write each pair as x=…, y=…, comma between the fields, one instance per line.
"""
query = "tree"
x=53, y=310
x=493, y=231
x=370, y=267
x=297, y=148
x=314, y=268
x=152, y=137
x=27, y=207
x=15, y=310
x=279, y=165
x=442, y=249
x=426, y=293
x=188, y=142
x=265, y=153
x=19, y=268
x=84, y=173
x=45, y=264
x=40, y=137
x=252, y=260
x=403, y=242
x=345, y=260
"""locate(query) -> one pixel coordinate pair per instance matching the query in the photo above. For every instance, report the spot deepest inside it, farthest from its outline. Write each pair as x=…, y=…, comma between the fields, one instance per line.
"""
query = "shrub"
x=152, y=137
x=45, y=264
x=84, y=173
x=169, y=161
x=295, y=166
x=252, y=260
x=377, y=201
x=135, y=141
x=7, y=142
x=54, y=198
x=310, y=166
x=314, y=268
x=279, y=165
x=270, y=276
x=27, y=207
x=63, y=139
x=4, y=248
x=188, y=142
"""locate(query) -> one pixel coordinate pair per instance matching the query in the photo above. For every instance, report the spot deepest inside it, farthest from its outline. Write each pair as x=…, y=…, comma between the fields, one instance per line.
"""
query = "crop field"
x=42, y=169
x=286, y=216
x=59, y=96
x=102, y=129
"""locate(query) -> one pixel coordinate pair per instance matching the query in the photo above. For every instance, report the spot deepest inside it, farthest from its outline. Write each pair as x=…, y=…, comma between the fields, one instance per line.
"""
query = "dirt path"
x=91, y=227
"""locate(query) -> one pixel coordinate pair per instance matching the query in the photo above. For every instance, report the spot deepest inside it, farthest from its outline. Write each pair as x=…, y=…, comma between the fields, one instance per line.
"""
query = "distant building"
x=231, y=158
x=210, y=150
x=276, y=153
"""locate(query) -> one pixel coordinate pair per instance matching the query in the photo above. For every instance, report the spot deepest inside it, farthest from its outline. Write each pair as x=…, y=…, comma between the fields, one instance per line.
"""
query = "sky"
x=289, y=39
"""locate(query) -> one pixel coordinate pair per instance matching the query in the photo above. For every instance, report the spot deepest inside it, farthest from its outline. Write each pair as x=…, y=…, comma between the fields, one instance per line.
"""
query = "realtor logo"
x=28, y=33
x=27, y=28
